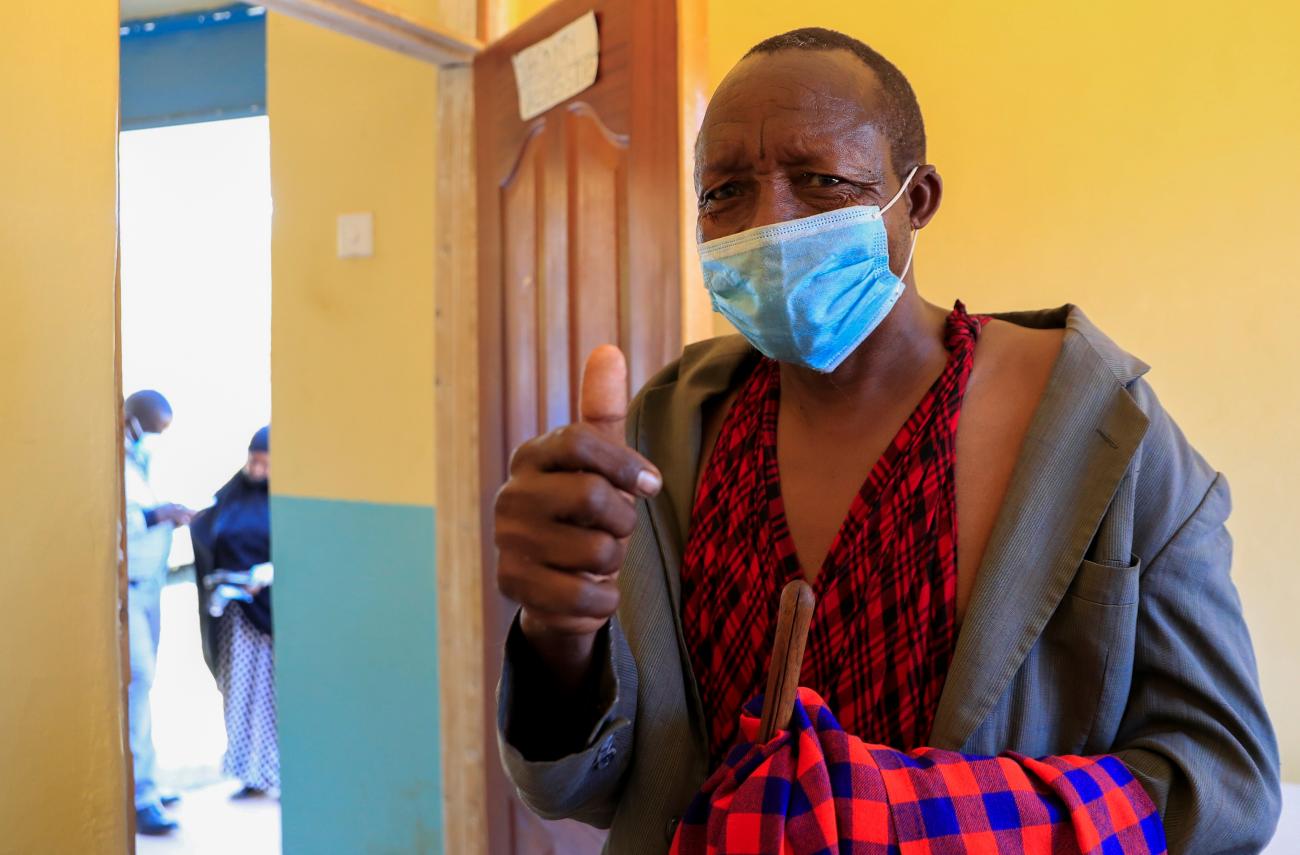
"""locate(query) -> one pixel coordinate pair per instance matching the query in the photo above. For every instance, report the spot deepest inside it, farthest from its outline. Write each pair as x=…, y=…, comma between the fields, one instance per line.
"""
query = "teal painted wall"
x=357, y=675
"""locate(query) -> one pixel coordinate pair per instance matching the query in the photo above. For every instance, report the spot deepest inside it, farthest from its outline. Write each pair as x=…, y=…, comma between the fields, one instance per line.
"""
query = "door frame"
x=466, y=699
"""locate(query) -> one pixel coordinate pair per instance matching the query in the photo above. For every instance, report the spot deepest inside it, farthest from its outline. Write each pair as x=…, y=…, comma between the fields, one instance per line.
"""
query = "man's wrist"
x=567, y=657
x=553, y=714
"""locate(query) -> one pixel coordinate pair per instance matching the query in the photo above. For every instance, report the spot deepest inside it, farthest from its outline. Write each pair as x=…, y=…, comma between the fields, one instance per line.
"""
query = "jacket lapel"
x=1078, y=446
x=667, y=430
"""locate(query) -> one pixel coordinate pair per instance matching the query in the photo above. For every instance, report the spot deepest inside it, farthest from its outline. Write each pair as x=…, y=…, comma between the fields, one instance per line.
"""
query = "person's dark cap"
x=261, y=440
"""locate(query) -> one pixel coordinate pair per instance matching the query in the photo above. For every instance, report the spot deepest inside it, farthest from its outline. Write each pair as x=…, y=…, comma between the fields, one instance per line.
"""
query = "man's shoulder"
x=1172, y=476
x=1073, y=321
x=704, y=360
x=705, y=369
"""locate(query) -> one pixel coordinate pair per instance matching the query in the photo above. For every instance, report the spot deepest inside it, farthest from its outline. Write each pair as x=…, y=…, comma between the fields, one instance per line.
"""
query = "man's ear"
x=924, y=196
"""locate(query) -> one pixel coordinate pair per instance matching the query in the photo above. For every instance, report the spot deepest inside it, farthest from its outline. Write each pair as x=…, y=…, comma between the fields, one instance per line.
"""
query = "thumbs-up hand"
x=564, y=516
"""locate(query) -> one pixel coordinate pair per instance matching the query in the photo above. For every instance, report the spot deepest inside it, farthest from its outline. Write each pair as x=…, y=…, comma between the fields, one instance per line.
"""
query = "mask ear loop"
x=899, y=194
x=912, y=250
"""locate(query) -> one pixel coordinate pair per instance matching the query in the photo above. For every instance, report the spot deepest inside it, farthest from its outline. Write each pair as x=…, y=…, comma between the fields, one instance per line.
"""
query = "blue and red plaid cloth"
x=816, y=790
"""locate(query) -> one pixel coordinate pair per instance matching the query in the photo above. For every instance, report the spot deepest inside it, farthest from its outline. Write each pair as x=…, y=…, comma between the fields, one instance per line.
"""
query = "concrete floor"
x=189, y=738
x=212, y=824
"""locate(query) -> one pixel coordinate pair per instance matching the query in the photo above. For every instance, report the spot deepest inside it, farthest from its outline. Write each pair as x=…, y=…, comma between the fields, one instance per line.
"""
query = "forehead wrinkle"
x=788, y=135
x=828, y=138
x=784, y=94
x=821, y=145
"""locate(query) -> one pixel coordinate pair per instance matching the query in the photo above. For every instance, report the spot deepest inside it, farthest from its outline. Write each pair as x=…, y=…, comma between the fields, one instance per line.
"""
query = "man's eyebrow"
x=808, y=151
x=728, y=159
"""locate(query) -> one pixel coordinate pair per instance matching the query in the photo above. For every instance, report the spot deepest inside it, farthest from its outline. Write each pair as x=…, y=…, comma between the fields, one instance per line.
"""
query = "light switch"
x=357, y=235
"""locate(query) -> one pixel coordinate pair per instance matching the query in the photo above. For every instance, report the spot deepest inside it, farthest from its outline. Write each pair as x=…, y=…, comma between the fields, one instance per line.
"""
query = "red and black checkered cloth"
x=815, y=790
x=885, y=625
x=878, y=650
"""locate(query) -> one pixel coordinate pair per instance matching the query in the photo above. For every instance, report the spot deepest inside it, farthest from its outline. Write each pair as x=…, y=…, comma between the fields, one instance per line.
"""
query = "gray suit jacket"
x=1103, y=618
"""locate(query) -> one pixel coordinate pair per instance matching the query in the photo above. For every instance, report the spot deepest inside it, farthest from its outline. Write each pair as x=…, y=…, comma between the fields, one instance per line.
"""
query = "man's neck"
x=900, y=354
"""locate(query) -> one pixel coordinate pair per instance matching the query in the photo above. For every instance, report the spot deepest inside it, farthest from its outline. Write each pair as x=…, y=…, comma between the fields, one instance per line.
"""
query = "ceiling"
x=135, y=9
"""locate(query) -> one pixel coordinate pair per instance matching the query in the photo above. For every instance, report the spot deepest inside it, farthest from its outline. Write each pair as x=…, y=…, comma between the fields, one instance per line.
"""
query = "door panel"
x=597, y=161
x=580, y=244
x=521, y=215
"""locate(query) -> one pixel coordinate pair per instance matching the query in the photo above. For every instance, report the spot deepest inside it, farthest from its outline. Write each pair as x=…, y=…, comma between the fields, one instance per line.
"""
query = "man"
x=149, y=526
x=1082, y=607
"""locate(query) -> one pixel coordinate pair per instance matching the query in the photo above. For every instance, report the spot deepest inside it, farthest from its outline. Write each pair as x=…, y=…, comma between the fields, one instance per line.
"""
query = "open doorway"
x=195, y=219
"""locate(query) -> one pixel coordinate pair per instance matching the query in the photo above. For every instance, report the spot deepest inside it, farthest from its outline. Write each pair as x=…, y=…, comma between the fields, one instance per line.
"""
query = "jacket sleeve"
x=1195, y=732
x=581, y=781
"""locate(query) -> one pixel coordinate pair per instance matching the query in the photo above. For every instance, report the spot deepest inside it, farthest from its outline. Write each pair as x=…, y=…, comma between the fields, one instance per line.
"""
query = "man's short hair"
x=904, y=126
x=148, y=401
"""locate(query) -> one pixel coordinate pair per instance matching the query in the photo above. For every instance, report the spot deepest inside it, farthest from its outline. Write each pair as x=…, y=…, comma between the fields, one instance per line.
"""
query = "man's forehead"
x=796, y=81
x=789, y=139
x=792, y=104
x=804, y=98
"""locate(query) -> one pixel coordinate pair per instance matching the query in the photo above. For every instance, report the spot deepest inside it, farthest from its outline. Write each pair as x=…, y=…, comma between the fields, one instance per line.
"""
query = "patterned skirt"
x=246, y=677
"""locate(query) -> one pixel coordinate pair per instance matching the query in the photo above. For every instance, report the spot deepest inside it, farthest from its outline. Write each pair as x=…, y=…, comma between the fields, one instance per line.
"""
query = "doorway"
x=336, y=318
x=195, y=235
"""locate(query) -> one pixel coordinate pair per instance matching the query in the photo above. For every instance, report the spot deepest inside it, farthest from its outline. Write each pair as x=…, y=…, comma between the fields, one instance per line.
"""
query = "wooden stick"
x=797, y=602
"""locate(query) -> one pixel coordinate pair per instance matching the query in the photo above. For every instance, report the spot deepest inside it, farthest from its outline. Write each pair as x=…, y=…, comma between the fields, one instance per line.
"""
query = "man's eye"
x=719, y=194
x=824, y=180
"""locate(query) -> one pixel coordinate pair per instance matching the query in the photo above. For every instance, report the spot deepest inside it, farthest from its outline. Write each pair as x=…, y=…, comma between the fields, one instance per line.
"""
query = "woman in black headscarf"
x=232, y=538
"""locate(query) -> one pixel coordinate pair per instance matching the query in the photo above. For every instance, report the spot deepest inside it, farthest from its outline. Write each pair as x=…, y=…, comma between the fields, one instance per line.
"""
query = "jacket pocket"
x=1105, y=603
x=1107, y=584
x=1089, y=643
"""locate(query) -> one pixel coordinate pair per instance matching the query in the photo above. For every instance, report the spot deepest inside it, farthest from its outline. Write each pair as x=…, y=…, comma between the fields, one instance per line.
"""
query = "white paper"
x=558, y=67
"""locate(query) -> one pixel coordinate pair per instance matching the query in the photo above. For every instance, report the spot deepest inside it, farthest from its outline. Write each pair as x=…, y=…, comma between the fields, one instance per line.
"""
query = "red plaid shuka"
x=886, y=620
x=815, y=790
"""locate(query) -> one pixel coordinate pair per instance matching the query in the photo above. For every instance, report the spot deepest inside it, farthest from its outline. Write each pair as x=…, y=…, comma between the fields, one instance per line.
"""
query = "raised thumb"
x=602, y=401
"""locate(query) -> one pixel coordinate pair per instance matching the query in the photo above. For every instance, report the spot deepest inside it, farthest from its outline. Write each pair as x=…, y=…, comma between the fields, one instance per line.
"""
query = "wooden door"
x=580, y=244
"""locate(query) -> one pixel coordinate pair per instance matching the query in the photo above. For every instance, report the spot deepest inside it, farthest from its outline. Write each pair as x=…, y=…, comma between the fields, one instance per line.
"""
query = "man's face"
x=258, y=466
x=792, y=134
x=157, y=422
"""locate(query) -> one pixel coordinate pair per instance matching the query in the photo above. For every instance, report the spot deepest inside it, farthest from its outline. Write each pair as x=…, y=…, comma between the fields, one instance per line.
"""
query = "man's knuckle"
x=504, y=539
x=511, y=538
x=598, y=551
x=520, y=455
x=507, y=583
x=626, y=523
x=610, y=552
x=504, y=501
x=572, y=437
x=591, y=498
x=585, y=599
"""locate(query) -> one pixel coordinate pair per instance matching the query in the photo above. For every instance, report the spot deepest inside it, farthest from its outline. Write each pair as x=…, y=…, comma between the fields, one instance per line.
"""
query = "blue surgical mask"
x=141, y=451
x=807, y=291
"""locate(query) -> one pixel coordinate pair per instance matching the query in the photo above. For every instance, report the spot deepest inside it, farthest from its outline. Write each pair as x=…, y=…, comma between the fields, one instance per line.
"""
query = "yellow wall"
x=62, y=755
x=519, y=11
x=352, y=372
x=352, y=129
x=1139, y=159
